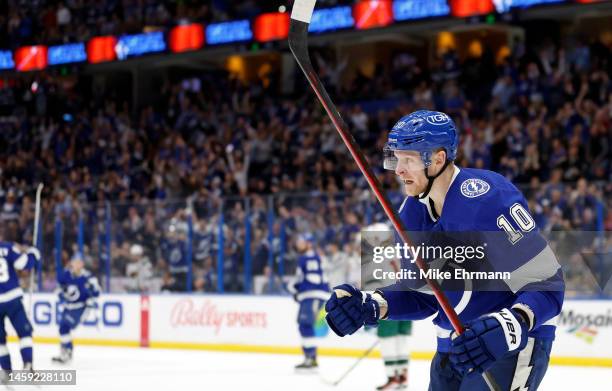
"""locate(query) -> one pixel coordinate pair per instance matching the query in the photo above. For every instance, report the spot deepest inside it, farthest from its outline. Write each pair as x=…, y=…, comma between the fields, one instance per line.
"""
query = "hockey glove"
x=33, y=251
x=348, y=310
x=486, y=340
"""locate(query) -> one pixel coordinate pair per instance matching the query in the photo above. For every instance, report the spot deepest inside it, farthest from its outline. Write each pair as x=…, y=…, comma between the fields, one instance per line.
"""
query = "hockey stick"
x=350, y=369
x=298, y=43
x=39, y=189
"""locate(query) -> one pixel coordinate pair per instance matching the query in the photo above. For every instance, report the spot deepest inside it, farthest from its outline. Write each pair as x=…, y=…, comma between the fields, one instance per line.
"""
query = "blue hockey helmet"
x=307, y=237
x=424, y=131
x=305, y=241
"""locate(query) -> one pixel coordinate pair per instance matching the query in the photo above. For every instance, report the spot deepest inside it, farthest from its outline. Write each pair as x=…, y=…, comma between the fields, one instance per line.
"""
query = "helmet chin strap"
x=430, y=180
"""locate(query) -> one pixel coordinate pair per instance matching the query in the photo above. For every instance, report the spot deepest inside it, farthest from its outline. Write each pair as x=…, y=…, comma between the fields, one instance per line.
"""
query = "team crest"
x=474, y=187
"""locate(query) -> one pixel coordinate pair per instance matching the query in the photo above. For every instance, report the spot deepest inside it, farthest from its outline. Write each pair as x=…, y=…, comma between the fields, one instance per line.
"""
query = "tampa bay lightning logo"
x=438, y=119
x=71, y=293
x=474, y=187
x=175, y=255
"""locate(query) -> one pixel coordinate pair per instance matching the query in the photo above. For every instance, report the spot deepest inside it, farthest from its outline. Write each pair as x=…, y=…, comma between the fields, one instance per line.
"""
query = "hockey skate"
x=308, y=366
x=65, y=357
x=402, y=380
x=391, y=384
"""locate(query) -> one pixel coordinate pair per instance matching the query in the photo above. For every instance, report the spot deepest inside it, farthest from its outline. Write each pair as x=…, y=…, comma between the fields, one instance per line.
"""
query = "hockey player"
x=508, y=333
x=79, y=290
x=392, y=334
x=310, y=291
x=14, y=257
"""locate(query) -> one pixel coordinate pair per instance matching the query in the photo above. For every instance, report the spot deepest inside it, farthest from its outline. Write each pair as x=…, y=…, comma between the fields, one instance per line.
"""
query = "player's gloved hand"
x=91, y=303
x=348, y=310
x=34, y=252
x=486, y=340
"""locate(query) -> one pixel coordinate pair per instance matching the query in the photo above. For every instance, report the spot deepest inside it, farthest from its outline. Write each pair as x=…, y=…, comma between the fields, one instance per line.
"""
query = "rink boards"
x=268, y=324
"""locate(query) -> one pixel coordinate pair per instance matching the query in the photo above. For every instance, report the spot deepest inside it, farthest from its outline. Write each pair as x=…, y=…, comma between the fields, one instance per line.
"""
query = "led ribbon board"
x=502, y=6
x=271, y=27
x=467, y=8
x=228, y=32
x=31, y=58
x=186, y=37
x=140, y=44
x=101, y=49
x=6, y=60
x=67, y=54
x=419, y=9
x=331, y=19
x=372, y=13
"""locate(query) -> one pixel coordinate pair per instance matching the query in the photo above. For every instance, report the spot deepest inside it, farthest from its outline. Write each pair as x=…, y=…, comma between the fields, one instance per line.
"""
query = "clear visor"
x=405, y=160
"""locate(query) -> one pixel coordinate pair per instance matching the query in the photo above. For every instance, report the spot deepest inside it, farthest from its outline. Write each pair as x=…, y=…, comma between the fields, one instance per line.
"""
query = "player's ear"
x=440, y=157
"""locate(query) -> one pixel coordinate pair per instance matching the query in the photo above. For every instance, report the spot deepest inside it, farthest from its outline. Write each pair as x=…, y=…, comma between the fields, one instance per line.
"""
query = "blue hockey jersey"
x=175, y=254
x=310, y=282
x=76, y=290
x=488, y=205
x=11, y=260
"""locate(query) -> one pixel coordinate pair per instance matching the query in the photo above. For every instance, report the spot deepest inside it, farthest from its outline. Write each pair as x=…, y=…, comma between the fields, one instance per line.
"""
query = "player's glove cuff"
x=379, y=296
x=514, y=327
x=526, y=314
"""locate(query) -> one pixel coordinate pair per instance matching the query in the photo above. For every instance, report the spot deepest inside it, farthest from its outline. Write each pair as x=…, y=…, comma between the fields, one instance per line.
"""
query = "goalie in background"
x=79, y=290
x=310, y=290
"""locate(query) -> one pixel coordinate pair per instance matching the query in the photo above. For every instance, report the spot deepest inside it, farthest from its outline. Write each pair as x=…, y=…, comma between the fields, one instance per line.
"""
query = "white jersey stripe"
x=66, y=338
x=523, y=369
x=25, y=342
x=21, y=262
x=11, y=295
x=309, y=342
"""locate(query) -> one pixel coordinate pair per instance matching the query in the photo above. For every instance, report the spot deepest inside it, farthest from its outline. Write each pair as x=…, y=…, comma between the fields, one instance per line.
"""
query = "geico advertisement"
x=584, y=328
x=116, y=317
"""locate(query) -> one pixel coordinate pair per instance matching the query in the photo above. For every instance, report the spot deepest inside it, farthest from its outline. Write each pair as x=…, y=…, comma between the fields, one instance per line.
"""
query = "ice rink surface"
x=137, y=369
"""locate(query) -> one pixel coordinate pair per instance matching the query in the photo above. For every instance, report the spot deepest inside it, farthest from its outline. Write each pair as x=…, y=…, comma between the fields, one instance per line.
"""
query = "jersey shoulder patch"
x=474, y=187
